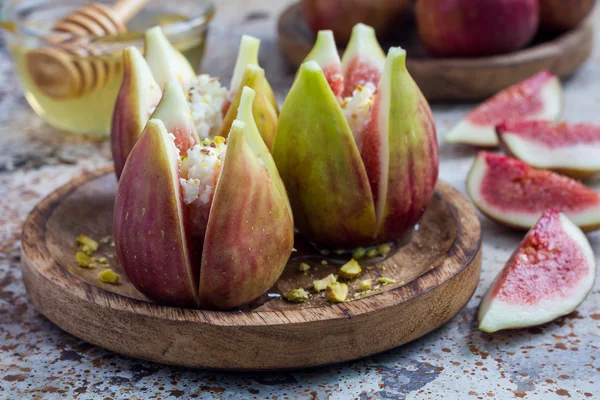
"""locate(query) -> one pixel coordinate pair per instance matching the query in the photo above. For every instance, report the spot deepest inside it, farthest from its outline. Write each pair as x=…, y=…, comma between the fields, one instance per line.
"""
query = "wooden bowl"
x=458, y=78
x=439, y=266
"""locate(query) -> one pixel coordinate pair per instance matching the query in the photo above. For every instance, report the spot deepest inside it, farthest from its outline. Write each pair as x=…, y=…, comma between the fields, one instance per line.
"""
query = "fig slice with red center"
x=325, y=53
x=513, y=193
x=363, y=59
x=538, y=97
x=548, y=276
x=570, y=149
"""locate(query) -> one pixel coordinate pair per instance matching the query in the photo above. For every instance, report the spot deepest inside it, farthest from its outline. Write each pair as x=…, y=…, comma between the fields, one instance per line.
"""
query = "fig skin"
x=343, y=200
x=152, y=239
x=560, y=15
x=340, y=16
x=249, y=236
x=470, y=28
x=139, y=93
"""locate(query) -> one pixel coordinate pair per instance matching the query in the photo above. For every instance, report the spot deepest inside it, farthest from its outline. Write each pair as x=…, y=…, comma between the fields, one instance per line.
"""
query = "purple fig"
x=361, y=172
x=218, y=232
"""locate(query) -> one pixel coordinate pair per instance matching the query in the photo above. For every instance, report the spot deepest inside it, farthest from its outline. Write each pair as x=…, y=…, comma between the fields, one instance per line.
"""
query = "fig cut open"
x=513, y=193
x=570, y=149
x=211, y=227
x=539, y=97
x=548, y=276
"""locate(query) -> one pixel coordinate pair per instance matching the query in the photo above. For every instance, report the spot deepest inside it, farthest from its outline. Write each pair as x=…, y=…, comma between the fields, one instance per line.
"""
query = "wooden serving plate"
x=440, y=268
x=457, y=78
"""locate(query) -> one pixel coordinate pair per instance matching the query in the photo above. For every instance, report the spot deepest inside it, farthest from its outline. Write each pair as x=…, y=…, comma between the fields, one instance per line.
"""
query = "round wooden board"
x=457, y=78
x=439, y=266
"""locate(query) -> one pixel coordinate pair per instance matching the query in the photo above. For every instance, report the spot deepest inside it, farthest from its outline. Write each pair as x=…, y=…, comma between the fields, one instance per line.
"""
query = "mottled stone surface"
x=557, y=360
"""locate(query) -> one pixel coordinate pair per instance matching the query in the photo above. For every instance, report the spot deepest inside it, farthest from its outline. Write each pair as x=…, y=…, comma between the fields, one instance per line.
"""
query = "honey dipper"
x=63, y=70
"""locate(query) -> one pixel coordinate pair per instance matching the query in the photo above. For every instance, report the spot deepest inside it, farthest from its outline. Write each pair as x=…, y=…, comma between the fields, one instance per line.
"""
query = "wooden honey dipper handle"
x=59, y=74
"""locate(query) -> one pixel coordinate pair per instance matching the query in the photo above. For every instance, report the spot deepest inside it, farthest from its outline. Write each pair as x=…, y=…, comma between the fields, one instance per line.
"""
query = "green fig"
x=210, y=228
x=326, y=55
x=362, y=170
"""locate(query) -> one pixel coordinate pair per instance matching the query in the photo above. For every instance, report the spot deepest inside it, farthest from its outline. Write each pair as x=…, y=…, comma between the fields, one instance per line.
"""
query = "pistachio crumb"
x=219, y=140
x=83, y=260
x=337, y=292
x=385, y=280
x=88, y=245
x=321, y=284
x=383, y=267
x=297, y=295
x=372, y=253
x=359, y=253
x=303, y=267
x=350, y=270
x=384, y=249
x=364, y=285
x=108, y=276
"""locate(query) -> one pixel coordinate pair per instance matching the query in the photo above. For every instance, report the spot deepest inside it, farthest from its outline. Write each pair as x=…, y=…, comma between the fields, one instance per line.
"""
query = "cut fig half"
x=548, y=276
x=537, y=98
x=570, y=149
x=513, y=193
x=363, y=59
x=165, y=61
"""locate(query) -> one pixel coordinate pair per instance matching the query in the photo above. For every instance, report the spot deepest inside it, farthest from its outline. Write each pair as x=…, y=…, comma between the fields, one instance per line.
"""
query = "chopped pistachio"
x=219, y=140
x=83, y=260
x=323, y=262
x=350, y=270
x=88, y=245
x=372, y=253
x=364, y=285
x=206, y=142
x=359, y=253
x=337, y=292
x=102, y=260
x=108, y=276
x=303, y=267
x=321, y=284
x=384, y=249
x=297, y=295
x=385, y=280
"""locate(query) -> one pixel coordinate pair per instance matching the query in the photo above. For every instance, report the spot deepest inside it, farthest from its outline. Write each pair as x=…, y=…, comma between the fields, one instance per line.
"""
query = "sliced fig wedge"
x=174, y=111
x=264, y=113
x=152, y=238
x=513, y=193
x=247, y=55
x=363, y=60
x=570, y=149
x=165, y=61
x=548, y=276
x=539, y=97
x=400, y=150
x=138, y=96
x=320, y=165
x=325, y=53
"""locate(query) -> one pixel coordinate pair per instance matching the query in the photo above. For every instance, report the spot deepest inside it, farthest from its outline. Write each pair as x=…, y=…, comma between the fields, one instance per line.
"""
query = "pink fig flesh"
x=538, y=97
x=151, y=233
x=363, y=60
x=548, y=276
x=513, y=193
x=570, y=149
x=139, y=94
x=249, y=236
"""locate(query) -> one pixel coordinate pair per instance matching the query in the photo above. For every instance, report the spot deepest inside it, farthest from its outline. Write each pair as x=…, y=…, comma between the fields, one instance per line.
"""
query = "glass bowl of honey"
x=72, y=80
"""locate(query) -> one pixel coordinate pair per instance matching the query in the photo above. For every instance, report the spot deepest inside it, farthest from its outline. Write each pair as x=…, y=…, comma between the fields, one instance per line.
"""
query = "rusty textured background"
x=38, y=360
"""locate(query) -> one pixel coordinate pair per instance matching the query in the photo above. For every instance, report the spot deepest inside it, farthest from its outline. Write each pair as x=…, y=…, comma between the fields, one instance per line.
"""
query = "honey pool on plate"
x=91, y=113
